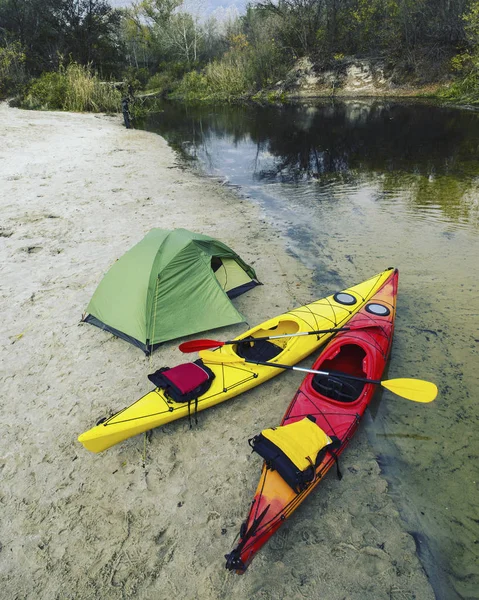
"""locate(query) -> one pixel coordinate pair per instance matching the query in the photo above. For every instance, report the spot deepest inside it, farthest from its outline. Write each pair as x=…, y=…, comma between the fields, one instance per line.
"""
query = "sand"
x=151, y=517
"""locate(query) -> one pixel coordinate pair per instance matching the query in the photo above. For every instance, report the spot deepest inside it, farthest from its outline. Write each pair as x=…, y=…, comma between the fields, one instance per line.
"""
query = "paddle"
x=197, y=345
x=416, y=390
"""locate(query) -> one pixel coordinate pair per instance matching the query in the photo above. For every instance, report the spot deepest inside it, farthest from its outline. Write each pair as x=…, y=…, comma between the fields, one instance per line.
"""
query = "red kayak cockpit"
x=348, y=359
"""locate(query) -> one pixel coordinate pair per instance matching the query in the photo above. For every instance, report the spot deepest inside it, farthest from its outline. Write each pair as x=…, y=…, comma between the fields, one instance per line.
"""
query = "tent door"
x=230, y=275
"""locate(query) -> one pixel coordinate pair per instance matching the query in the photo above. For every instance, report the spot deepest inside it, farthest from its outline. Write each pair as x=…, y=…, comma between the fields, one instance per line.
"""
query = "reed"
x=227, y=79
x=74, y=88
x=462, y=91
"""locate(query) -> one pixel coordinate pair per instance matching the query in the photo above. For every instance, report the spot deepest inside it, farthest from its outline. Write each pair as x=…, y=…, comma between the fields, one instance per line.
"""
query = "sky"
x=216, y=7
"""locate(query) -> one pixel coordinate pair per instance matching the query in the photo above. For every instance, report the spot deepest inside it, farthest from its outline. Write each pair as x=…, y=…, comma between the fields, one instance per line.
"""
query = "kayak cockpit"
x=350, y=360
x=264, y=350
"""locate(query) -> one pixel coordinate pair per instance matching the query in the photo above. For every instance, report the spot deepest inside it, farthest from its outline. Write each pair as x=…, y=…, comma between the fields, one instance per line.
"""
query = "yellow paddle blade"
x=412, y=389
x=218, y=358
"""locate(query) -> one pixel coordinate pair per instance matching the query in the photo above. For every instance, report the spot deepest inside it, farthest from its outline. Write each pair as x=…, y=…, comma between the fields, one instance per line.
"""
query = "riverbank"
x=151, y=517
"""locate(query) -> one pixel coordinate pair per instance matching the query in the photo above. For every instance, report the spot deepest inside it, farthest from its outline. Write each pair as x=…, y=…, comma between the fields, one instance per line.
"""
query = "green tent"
x=171, y=284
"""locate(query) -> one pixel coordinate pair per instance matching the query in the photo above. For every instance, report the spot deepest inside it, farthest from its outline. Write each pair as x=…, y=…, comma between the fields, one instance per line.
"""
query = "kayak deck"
x=155, y=408
x=337, y=404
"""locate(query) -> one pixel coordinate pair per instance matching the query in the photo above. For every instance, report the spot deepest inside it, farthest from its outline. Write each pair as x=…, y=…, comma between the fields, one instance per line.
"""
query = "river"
x=354, y=187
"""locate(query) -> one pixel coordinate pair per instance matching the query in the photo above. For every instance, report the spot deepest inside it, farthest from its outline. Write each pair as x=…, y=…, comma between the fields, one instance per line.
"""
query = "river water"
x=355, y=187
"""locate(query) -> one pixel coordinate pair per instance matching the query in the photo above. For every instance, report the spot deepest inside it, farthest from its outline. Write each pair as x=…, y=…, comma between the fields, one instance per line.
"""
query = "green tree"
x=269, y=56
x=12, y=67
x=466, y=88
x=84, y=30
x=136, y=37
x=300, y=21
x=88, y=30
x=33, y=24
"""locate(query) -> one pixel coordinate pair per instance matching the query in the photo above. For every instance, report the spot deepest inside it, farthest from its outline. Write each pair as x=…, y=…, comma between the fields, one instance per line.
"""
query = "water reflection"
x=430, y=152
x=356, y=187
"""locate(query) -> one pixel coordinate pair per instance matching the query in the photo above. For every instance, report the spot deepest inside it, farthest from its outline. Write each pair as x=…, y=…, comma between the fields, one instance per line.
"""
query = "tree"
x=12, y=67
x=89, y=31
x=269, y=55
x=136, y=37
x=301, y=21
x=31, y=23
x=85, y=30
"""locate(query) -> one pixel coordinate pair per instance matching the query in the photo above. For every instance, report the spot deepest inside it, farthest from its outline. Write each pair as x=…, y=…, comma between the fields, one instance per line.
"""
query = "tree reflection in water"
x=427, y=150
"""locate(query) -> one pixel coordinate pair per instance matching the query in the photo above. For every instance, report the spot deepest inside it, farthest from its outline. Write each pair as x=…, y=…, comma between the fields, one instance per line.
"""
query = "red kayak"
x=328, y=406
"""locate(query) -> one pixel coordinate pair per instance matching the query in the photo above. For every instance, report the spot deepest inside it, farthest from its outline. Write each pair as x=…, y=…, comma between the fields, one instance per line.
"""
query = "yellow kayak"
x=155, y=408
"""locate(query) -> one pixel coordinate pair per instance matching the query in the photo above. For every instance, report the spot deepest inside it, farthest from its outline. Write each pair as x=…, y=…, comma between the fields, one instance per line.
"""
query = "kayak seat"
x=336, y=388
x=261, y=350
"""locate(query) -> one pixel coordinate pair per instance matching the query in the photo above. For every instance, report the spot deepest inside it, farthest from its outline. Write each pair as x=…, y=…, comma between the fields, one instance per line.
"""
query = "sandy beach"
x=154, y=516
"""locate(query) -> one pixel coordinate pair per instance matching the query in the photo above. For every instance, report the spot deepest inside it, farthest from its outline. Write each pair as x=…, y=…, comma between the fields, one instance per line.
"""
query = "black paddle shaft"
x=284, y=335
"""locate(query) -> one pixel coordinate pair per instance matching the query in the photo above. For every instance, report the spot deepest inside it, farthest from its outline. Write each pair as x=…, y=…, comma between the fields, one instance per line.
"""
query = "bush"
x=238, y=74
x=223, y=79
x=137, y=77
x=75, y=88
x=12, y=71
x=230, y=76
x=48, y=92
x=160, y=82
x=193, y=86
x=463, y=91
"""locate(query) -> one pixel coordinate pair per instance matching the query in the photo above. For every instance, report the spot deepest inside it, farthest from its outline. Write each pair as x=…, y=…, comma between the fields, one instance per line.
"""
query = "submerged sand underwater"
x=153, y=516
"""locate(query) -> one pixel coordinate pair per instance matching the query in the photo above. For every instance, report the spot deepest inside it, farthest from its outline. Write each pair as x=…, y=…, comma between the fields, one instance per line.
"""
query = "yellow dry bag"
x=294, y=450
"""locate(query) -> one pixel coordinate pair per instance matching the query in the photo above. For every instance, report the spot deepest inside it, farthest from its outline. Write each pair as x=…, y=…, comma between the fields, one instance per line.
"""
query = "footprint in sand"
x=31, y=249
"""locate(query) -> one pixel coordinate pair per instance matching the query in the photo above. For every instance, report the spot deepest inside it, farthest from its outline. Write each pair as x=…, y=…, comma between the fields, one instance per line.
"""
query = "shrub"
x=136, y=77
x=12, y=71
x=160, y=82
x=223, y=79
x=193, y=86
x=463, y=91
x=48, y=92
x=230, y=77
x=238, y=74
x=75, y=88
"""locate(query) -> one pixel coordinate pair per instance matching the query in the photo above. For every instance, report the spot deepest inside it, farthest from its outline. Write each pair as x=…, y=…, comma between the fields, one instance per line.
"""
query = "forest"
x=84, y=54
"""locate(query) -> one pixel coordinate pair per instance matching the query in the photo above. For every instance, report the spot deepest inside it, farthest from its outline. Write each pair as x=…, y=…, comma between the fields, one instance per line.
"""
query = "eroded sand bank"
x=153, y=516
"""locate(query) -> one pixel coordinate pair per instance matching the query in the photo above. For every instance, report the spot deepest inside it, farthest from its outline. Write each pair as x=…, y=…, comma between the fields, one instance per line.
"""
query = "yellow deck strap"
x=300, y=441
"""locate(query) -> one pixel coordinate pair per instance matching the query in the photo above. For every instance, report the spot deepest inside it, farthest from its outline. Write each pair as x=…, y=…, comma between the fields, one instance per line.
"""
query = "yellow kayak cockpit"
x=271, y=348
